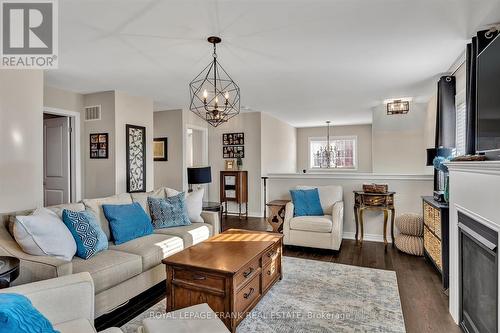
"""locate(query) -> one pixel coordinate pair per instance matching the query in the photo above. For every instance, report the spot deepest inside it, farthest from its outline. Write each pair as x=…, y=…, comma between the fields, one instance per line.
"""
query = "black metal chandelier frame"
x=215, y=97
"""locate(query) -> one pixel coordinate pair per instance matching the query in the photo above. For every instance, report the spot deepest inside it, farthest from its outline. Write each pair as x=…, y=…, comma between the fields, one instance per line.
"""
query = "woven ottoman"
x=411, y=237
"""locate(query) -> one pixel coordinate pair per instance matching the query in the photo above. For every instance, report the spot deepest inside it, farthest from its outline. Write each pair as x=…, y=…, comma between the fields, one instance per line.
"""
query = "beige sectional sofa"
x=121, y=272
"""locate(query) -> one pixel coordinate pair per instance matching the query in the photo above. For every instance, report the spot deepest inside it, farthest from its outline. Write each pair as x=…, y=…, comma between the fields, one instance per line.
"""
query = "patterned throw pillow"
x=169, y=212
x=88, y=235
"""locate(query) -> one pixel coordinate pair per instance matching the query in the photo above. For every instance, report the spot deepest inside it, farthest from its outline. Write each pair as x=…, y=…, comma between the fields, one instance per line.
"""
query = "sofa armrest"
x=61, y=299
x=212, y=218
x=32, y=268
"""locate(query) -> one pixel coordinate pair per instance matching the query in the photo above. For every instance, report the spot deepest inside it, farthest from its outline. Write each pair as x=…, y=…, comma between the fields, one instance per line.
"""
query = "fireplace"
x=478, y=273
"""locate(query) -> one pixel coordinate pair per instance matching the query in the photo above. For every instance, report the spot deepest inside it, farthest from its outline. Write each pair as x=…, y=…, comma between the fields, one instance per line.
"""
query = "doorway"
x=61, y=157
x=196, y=152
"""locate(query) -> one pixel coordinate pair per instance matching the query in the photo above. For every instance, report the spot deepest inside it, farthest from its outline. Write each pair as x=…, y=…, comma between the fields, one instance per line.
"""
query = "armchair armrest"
x=338, y=223
x=213, y=219
x=286, y=222
x=61, y=299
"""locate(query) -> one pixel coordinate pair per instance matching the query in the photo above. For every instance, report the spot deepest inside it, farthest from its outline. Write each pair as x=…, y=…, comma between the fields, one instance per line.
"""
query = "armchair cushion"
x=306, y=202
x=328, y=195
x=312, y=223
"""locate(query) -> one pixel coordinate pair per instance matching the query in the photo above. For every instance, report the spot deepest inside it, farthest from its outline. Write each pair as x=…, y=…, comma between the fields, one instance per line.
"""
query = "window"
x=460, y=132
x=345, y=152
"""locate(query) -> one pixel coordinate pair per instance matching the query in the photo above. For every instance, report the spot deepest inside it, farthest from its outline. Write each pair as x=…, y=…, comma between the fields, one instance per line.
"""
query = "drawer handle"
x=248, y=294
x=246, y=274
x=270, y=254
x=268, y=272
x=199, y=277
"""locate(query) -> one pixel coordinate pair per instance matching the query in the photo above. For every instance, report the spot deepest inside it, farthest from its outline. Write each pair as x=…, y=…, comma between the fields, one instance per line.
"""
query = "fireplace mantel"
x=474, y=191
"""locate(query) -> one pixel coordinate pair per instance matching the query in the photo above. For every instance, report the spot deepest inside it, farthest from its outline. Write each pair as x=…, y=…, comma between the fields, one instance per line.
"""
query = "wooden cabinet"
x=234, y=188
x=436, y=236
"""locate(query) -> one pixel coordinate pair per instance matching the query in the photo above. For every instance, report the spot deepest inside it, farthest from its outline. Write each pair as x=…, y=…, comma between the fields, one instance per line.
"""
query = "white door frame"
x=205, y=149
x=76, y=166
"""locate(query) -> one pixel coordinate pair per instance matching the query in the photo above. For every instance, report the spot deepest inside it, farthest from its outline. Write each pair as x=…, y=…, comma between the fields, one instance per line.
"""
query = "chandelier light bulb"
x=226, y=95
x=205, y=94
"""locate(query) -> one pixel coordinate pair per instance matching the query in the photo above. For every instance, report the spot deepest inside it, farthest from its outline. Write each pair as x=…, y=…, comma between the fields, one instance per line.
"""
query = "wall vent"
x=93, y=113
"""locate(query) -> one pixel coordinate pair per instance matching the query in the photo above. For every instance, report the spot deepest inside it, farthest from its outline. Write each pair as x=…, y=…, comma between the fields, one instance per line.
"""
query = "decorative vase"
x=239, y=163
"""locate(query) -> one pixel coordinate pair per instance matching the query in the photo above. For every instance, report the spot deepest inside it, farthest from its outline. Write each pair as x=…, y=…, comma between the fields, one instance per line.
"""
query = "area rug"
x=316, y=296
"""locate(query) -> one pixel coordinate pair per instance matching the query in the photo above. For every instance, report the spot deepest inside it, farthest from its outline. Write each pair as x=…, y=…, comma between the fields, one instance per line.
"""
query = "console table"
x=378, y=201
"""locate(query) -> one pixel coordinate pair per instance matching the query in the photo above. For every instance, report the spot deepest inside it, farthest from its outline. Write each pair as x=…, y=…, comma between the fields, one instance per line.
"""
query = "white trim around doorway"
x=76, y=166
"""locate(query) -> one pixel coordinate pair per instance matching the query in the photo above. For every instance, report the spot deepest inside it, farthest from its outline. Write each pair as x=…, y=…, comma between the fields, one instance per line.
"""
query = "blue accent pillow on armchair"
x=127, y=222
x=88, y=235
x=306, y=202
x=18, y=315
x=169, y=212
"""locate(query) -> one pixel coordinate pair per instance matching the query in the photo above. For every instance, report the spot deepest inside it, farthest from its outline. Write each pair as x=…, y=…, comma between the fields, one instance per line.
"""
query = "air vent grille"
x=93, y=112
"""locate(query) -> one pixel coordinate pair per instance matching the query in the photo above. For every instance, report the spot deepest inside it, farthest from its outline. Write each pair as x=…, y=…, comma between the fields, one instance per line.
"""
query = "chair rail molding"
x=355, y=176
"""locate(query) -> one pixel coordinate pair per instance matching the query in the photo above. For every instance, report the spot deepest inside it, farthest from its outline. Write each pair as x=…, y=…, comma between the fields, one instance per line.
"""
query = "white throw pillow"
x=194, y=205
x=44, y=234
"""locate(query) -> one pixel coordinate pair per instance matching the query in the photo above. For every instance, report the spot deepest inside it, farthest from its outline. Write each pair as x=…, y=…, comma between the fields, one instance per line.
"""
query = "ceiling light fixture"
x=325, y=156
x=398, y=106
x=215, y=97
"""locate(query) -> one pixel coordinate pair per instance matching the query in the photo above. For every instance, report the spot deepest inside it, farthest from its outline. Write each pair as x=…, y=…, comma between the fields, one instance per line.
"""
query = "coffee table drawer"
x=270, y=254
x=247, y=295
x=199, y=278
x=269, y=273
x=247, y=273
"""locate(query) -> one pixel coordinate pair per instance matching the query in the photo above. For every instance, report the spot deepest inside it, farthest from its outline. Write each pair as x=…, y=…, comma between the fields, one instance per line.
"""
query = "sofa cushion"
x=152, y=248
x=88, y=235
x=76, y=207
x=109, y=268
x=190, y=234
x=44, y=234
x=312, y=223
x=76, y=326
x=142, y=198
x=169, y=212
x=95, y=205
x=127, y=222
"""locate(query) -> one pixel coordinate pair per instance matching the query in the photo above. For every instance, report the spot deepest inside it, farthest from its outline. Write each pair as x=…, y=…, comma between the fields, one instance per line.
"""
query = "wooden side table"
x=9, y=271
x=277, y=214
x=378, y=201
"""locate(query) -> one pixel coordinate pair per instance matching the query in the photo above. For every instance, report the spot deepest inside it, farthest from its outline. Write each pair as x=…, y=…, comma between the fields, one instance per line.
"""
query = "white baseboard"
x=366, y=237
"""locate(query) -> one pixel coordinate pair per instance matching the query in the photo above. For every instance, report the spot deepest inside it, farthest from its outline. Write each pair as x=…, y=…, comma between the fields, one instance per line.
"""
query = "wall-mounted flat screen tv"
x=488, y=98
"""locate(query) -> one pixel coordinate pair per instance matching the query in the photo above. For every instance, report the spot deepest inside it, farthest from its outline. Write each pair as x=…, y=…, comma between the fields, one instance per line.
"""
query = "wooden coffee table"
x=231, y=272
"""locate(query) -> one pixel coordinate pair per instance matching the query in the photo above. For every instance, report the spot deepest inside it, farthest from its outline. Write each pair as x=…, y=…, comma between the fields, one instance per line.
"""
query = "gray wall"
x=363, y=132
x=21, y=137
x=170, y=173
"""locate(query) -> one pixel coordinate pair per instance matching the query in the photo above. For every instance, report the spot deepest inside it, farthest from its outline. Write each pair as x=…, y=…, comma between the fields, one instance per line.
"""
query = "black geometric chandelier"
x=215, y=97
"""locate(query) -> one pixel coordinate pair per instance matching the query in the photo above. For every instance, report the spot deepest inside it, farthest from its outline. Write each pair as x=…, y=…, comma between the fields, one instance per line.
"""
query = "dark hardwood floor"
x=425, y=306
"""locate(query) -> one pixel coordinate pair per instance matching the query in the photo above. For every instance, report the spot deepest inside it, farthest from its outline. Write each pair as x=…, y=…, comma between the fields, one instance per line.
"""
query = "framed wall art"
x=99, y=145
x=233, y=139
x=233, y=151
x=160, y=149
x=136, y=158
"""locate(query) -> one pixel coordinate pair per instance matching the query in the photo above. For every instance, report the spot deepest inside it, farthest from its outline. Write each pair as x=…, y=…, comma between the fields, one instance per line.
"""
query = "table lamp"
x=198, y=175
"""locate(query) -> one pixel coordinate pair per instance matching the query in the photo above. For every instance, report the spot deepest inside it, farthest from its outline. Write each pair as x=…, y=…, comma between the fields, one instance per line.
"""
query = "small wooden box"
x=375, y=188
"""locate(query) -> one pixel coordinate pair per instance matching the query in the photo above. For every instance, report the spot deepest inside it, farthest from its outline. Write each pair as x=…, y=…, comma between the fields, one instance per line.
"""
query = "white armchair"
x=324, y=232
x=67, y=302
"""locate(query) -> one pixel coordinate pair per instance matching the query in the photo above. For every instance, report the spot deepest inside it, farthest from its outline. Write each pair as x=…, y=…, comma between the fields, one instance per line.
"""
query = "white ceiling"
x=303, y=61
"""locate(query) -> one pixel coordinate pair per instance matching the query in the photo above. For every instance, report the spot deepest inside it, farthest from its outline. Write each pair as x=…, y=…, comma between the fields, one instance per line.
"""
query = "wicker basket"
x=375, y=188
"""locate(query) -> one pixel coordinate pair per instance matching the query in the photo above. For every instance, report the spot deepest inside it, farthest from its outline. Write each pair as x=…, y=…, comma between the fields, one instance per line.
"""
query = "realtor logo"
x=29, y=34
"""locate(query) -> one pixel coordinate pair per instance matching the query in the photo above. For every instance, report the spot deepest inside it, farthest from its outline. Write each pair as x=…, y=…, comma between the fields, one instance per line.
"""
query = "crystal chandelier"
x=215, y=97
x=326, y=156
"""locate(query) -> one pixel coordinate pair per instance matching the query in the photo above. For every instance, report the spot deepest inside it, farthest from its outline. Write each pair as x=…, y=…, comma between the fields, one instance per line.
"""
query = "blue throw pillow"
x=306, y=202
x=169, y=212
x=127, y=222
x=88, y=235
x=18, y=315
